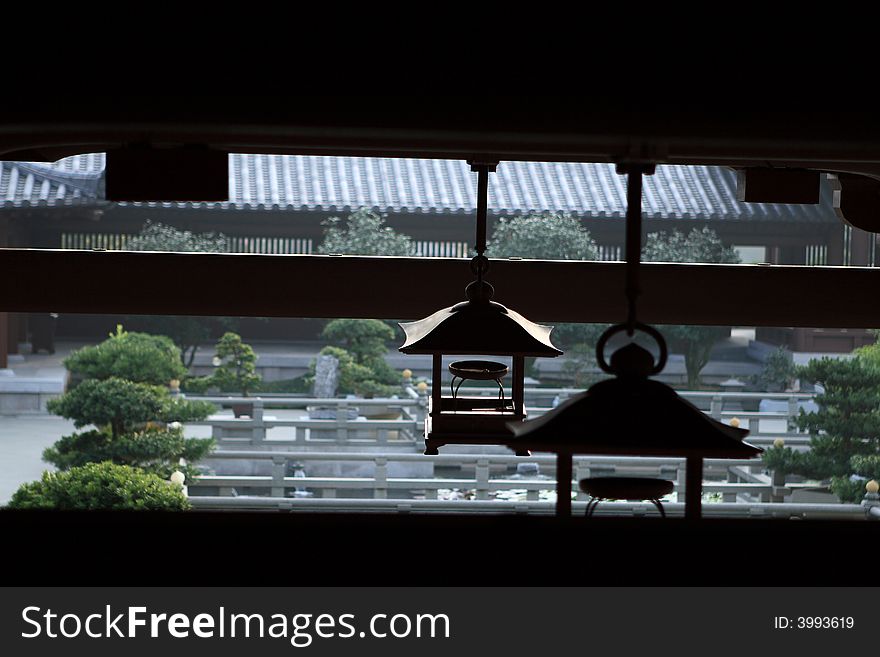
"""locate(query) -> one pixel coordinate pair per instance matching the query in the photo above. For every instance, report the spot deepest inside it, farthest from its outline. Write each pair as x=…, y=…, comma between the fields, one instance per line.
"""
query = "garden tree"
x=161, y=237
x=187, y=332
x=778, y=373
x=871, y=353
x=844, y=432
x=129, y=414
x=100, y=486
x=360, y=346
x=364, y=232
x=699, y=245
x=236, y=366
x=365, y=339
x=137, y=357
x=122, y=406
x=545, y=236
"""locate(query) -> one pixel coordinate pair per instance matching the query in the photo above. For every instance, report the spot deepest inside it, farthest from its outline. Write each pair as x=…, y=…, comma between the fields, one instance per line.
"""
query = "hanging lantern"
x=478, y=326
x=631, y=414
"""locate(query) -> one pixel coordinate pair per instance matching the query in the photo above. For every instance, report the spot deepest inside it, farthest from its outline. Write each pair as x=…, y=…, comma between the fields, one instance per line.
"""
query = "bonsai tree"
x=136, y=422
x=844, y=432
x=136, y=357
x=778, y=372
x=360, y=346
x=364, y=339
x=236, y=369
x=699, y=245
x=100, y=486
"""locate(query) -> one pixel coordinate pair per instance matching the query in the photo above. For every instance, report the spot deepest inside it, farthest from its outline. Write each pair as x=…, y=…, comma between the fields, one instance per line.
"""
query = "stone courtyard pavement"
x=22, y=441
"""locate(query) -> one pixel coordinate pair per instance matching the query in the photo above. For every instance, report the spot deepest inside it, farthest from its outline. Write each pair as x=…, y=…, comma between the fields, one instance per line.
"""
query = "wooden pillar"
x=437, y=384
x=518, y=386
x=563, y=485
x=4, y=332
x=13, y=332
x=693, y=492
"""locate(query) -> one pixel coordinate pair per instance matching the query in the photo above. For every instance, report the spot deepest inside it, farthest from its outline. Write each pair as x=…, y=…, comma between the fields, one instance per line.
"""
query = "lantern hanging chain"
x=480, y=263
x=482, y=207
x=633, y=243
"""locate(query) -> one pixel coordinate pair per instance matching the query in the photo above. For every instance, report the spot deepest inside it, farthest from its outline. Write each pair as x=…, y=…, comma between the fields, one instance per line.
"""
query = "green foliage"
x=870, y=354
x=161, y=237
x=546, y=236
x=699, y=245
x=364, y=232
x=124, y=406
x=364, y=342
x=844, y=432
x=364, y=339
x=377, y=379
x=237, y=371
x=100, y=486
x=115, y=403
x=153, y=450
x=126, y=410
x=778, y=372
x=137, y=357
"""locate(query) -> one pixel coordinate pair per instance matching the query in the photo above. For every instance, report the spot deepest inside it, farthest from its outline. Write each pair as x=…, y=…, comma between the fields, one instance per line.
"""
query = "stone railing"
x=341, y=427
x=744, y=480
x=765, y=426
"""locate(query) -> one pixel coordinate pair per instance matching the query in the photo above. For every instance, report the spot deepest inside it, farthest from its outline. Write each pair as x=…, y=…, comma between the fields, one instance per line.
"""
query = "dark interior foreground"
x=227, y=548
x=406, y=550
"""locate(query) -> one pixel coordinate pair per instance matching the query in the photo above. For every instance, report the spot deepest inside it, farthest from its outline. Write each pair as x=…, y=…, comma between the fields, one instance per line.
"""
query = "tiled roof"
x=339, y=184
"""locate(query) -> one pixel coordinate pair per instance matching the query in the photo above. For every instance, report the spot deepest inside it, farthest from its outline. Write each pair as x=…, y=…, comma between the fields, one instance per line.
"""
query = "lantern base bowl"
x=474, y=421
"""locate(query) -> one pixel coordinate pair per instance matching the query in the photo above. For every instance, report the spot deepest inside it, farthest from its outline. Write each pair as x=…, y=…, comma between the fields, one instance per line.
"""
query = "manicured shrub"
x=100, y=486
x=137, y=357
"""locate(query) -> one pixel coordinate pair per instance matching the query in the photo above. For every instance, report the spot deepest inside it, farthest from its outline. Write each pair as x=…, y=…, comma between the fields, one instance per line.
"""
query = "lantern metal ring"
x=639, y=326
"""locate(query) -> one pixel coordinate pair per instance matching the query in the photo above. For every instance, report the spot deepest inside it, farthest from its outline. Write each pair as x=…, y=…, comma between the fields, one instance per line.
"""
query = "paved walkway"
x=22, y=441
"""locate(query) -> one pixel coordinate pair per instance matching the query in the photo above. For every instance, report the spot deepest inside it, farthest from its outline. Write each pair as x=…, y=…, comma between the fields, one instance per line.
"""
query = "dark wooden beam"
x=404, y=288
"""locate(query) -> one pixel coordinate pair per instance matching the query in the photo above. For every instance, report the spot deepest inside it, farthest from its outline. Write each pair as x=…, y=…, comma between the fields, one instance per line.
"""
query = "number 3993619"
x=814, y=622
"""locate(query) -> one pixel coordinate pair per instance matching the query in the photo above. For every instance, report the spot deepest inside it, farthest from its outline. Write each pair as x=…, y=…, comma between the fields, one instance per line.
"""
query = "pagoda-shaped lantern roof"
x=478, y=326
x=633, y=415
